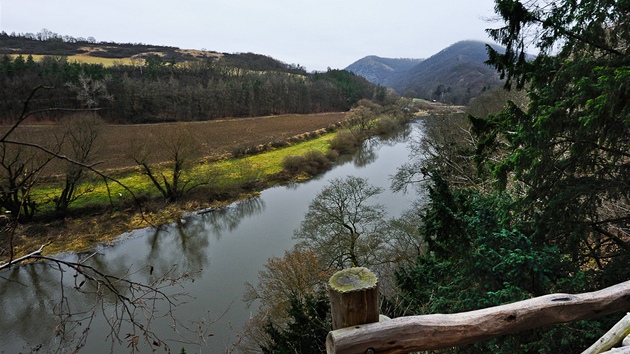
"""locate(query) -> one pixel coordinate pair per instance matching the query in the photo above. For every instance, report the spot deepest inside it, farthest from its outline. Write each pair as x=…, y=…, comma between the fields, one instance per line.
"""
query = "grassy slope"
x=88, y=59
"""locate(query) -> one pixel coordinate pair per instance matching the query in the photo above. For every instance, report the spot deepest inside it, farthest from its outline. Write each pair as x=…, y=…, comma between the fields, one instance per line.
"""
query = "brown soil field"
x=218, y=138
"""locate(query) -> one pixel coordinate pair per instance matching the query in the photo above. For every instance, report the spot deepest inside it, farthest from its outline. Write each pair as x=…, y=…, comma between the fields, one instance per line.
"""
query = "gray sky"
x=313, y=33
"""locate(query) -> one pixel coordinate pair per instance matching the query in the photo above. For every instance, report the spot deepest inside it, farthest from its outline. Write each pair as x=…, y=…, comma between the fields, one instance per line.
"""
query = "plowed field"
x=218, y=138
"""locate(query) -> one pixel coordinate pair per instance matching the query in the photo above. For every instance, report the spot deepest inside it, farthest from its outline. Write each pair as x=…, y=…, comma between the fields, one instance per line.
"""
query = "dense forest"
x=455, y=75
x=169, y=86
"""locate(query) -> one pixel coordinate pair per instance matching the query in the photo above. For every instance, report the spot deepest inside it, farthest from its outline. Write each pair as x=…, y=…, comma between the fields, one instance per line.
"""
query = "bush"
x=238, y=151
x=345, y=142
x=385, y=125
x=279, y=143
x=332, y=127
x=293, y=164
x=332, y=154
x=312, y=163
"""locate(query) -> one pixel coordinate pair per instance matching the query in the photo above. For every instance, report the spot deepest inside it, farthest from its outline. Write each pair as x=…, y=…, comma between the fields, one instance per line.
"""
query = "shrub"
x=317, y=162
x=344, y=142
x=238, y=151
x=312, y=163
x=279, y=144
x=385, y=125
x=332, y=154
x=293, y=164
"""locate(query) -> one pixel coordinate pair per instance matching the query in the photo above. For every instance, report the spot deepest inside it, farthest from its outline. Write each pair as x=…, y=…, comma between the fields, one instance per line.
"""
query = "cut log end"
x=353, y=279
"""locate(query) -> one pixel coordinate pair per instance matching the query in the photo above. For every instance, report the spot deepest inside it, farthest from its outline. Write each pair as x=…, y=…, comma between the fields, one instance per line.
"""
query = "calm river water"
x=220, y=250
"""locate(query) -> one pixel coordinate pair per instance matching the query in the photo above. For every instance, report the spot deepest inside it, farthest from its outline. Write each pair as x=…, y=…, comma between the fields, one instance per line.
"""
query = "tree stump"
x=353, y=296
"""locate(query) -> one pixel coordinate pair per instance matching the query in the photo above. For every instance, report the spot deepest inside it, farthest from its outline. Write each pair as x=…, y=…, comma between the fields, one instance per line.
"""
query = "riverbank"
x=89, y=226
x=119, y=211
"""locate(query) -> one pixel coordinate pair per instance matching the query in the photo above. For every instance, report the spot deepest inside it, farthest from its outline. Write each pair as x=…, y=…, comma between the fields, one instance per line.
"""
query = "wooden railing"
x=439, y=331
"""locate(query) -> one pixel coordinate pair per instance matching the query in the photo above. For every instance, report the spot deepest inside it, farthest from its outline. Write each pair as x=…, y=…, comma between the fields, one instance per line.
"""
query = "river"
x=219, y=251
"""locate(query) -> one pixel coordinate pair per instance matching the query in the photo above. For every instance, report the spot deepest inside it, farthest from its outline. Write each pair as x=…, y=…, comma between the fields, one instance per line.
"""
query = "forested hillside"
x=165, y=83
x=379, y=70
x=455, y=75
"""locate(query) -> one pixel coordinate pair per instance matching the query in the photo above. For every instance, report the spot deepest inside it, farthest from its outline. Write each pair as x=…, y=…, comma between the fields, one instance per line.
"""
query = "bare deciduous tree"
x=136, y=305
x=20, y=167
x=80, y=143
x=341, y=225
x=181, y=148
x=295, y=276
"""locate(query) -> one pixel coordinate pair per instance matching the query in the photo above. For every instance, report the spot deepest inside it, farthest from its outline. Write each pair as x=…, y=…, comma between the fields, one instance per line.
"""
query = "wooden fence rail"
x=439, y=331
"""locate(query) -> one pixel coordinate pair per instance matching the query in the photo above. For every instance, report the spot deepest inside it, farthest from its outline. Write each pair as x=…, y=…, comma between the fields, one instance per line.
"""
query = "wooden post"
x=353, y=297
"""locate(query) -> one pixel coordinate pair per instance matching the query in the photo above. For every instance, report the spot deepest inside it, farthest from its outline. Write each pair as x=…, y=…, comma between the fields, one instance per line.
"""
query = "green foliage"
x=480, y=254
x=352, y=87
x=567, y=153
x=564, y=158
x=307, y=330
x=161, y=90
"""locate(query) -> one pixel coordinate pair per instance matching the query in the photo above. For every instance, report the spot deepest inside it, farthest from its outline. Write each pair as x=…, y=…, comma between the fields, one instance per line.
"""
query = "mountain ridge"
x=378, y=69
x=456, y=74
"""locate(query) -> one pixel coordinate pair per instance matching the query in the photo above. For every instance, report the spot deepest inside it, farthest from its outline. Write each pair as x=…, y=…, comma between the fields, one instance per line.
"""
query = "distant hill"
x=81, y=49
x=378, y=70
x=141, y=83
x=62, y=45
x=454, y=75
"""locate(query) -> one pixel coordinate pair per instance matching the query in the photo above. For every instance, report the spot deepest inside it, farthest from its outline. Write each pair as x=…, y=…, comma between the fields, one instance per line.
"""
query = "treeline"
x=160, y=90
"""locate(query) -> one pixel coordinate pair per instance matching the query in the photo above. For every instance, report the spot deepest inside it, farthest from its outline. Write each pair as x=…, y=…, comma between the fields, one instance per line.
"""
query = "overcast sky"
x=313, y=33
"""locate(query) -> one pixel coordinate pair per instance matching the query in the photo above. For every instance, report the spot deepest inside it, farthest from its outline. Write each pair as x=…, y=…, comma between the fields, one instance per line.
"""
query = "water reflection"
x=185, y=242
x=368, y=153
x=33, y=299
x=217, y=221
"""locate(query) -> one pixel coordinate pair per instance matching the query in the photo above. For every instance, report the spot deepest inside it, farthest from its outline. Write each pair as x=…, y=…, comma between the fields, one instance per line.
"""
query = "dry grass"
x=91, y=56
x=89, y=59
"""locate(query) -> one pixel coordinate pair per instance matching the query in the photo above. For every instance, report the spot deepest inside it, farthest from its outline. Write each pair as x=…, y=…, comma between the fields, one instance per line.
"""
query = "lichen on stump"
x=353, y=297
